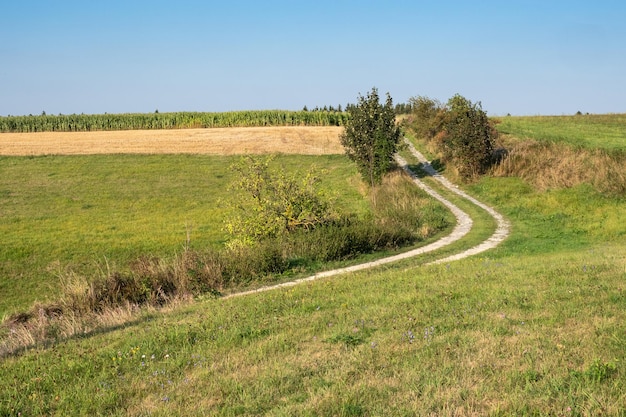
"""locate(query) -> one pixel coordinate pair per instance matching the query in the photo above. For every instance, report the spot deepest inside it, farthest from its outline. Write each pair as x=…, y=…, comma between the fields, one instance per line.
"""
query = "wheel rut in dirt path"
x=463, y=226
x=502, y=229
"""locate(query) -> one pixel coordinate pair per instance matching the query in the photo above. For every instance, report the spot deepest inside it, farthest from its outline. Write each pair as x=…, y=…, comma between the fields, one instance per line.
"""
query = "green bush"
x=460, y=131
x=246, y=263
x=467, y=137
x=425, y=117
x=333, y=243
x=271, y=203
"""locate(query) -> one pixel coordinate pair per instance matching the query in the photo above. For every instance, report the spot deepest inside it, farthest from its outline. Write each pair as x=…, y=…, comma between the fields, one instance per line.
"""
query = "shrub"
x=467, y=138
x=425, y=119
x=273, y=203
x=247, y=263
x=460, y=131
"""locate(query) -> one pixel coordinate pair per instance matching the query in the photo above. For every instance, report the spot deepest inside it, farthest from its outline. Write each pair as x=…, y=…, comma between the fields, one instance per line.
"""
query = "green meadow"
x=534, y=327
x=80, y=213
x=603, y=131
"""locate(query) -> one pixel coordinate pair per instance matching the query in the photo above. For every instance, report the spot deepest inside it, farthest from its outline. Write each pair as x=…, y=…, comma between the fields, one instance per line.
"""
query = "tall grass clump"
x=549, y=165
x=111, y=298
x=552, y=152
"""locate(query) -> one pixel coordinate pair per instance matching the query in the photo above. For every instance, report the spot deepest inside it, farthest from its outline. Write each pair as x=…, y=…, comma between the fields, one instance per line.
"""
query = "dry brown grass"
x=306, y=140
x=552, y=165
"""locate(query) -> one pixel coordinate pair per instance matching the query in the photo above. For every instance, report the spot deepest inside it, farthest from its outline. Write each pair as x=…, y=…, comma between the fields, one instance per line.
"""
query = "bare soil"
x=305, y=140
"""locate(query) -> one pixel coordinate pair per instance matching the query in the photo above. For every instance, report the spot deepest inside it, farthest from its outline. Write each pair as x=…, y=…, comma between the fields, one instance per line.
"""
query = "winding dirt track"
x=462, y=228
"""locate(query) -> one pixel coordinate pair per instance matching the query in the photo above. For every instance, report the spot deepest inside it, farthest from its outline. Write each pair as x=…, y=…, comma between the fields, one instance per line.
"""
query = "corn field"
x=179, y=120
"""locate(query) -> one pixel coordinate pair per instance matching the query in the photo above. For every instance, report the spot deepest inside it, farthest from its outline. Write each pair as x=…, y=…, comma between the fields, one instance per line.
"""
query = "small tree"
x=371, y=136
x=425, y=117
x=467, y=137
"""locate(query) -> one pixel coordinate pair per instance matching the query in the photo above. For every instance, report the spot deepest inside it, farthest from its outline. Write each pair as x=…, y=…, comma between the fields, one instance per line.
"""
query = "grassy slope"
x=80, y=212
x=591, y=131
x=535, y=326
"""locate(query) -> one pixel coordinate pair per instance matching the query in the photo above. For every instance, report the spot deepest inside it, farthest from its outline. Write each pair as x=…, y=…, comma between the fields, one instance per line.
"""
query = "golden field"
x=304, y=140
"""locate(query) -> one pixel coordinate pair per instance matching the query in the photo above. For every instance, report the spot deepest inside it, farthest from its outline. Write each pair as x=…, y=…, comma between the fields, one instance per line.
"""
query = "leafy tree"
x=466, y=136
x=371, y=136
x=274, y=203
x=425, y=117
x=460, y=131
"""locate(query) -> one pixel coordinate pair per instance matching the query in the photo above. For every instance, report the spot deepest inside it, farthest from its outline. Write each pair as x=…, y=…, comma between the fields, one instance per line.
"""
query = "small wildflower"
x=428, y=333
x=167, y=356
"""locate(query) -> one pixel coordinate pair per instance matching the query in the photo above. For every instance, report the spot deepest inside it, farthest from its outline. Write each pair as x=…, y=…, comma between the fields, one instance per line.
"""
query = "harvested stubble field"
x=304, y=140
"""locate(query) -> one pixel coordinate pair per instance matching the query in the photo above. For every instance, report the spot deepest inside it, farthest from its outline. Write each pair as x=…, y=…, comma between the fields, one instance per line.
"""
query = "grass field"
x=565, y=151
x=533, y=327
x=602, y=131
x=77, y=213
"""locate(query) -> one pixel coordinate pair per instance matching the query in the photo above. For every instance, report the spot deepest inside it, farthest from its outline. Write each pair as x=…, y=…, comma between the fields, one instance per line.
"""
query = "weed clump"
x=549, y=165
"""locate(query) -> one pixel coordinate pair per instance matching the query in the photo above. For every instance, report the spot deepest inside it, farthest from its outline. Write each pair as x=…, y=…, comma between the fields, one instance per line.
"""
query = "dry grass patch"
x=304, y=140
x=553, y=165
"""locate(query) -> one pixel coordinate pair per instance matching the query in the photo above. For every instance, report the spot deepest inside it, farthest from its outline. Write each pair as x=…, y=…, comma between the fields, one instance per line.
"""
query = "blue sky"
x=519, y=57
